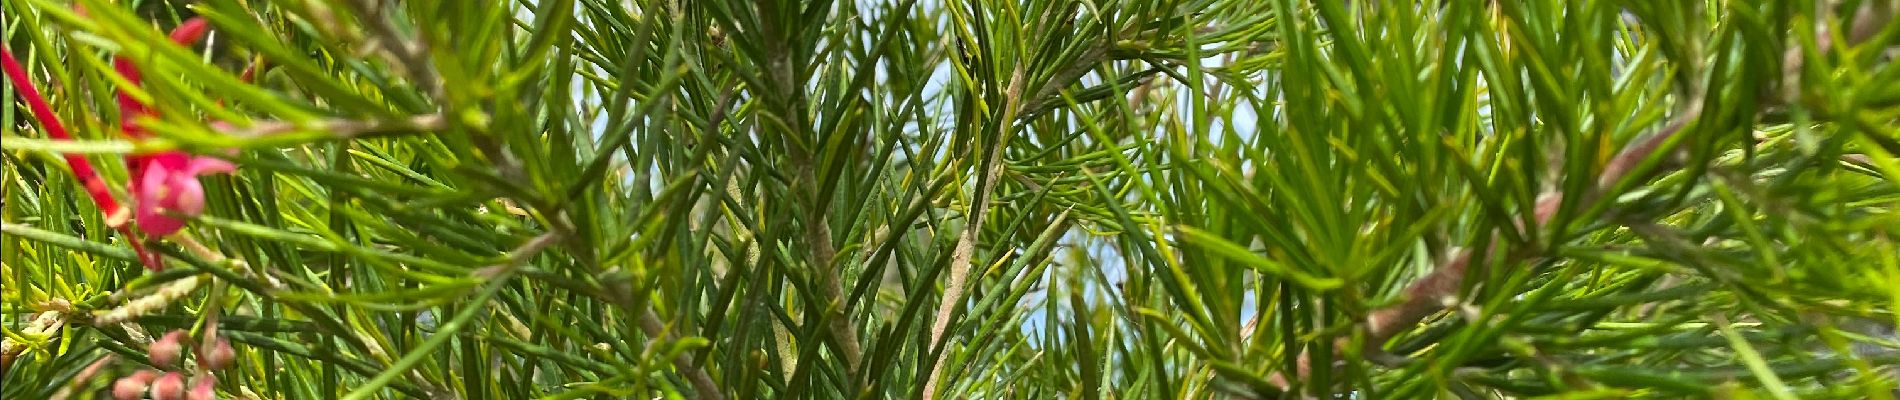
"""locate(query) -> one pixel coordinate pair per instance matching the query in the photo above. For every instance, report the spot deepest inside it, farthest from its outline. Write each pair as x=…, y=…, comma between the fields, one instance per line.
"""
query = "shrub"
x=950, y=199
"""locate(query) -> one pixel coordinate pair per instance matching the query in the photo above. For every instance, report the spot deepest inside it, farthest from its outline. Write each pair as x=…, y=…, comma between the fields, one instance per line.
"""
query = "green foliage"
x=973, y=199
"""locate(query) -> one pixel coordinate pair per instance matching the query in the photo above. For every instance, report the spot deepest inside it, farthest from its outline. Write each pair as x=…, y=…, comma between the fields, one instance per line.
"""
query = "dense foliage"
x=312, y=199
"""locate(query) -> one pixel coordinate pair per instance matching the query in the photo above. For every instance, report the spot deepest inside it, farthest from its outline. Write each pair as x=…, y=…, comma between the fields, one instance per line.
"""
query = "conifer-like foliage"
x=947, y=199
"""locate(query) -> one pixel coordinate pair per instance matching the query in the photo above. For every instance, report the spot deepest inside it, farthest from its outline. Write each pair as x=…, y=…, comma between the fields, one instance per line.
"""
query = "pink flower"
x=187, y=33
x=82, y=168
x=167, y=183
x=164, y=183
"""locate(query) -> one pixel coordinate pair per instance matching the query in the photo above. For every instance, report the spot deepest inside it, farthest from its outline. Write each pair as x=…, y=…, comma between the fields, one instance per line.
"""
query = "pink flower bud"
x=133, y=387
x=205, y=390
x=164, y=352
x=128, y=389
x=169, y=387
x=220, y=355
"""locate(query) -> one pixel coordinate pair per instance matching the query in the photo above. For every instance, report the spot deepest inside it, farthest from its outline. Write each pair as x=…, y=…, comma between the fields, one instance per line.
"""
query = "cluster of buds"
x=168, y=382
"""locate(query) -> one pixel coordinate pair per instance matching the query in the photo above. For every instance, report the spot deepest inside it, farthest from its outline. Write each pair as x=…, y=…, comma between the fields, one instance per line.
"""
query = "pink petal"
x=129, y=107
x=186, y=195
x=152, y=195
x=208, y=165
x=168, y=183
x=155, y=223
x=150, y=186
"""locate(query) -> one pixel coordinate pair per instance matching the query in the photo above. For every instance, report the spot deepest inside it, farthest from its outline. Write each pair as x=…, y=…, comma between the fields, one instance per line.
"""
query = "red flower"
x=82, y=168
x=163, y=184
x=168, y=182
x=130, y=108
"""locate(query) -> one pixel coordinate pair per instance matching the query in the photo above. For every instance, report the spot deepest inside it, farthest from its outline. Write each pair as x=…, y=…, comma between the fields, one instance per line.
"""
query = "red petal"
x=192, y=31
x=130, y=108
x=153, y=196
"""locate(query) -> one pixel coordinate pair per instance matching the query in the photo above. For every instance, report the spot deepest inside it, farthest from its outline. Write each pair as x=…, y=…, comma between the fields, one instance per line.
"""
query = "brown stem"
x=1034, y=105
x=965, y=252
x=833, y=290
x=345, y=128
x=702, y=383
x=410, y=56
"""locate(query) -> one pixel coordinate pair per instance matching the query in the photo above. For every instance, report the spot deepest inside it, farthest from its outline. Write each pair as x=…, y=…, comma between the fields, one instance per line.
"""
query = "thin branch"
x=344, y=128
x=519, y=256
x=822, y=254
x=76, y=384
x=410, y=56
x=702, y=382
x=45, y=325
x=961, y=257
x=1062, y=79
x=830, y=281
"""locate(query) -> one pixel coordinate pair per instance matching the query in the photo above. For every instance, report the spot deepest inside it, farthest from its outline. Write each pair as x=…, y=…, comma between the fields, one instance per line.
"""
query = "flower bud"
x=205, y=390
x=169, y=387
x=220, y=355
x=133, y=387
x=164, y=352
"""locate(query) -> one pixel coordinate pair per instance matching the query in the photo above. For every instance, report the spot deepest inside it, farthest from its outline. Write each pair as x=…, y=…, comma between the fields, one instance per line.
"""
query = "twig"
x=159, y=299
x=410, y=56
x=961, y=257
x=78, y=382
x=519, y=256
x=344, y=128
x=817, y=230
x=702, y=383
x=45, y=324
x=1062, y=79
x=830, y=281
x=833, y=291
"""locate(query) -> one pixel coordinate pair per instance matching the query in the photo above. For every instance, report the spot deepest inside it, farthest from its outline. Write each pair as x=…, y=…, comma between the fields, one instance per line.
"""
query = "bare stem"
x=410, y=56
x=702, y=383
x=962, y=256
x=344, y=128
